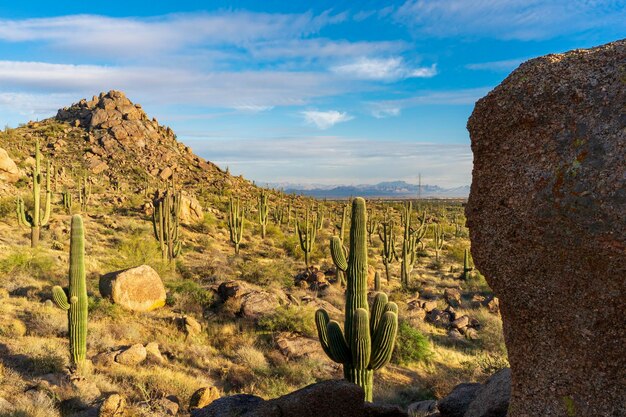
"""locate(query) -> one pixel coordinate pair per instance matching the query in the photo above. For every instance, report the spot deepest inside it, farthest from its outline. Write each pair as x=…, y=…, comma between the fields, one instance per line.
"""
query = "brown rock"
x=461, y=322
x=137, y=289
x=256, y=304
x=113, y=406
x=191, y=326
x=458, y=401
x=429, y=306
x=203, y=397
x=134, y=355
x=233, y=289
x=190, y=210
x=452, y=297
x=8, y=170
x=167, y=407
x=294, y=346
x=546, y=218
x=153, y=354
x=493, y=397
x=438, y=318
x=165, y=173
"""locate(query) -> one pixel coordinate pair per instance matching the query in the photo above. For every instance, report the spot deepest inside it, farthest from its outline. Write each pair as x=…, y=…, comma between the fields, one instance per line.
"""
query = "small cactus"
x=466, y=265
x=166, y=223
x=306, y=234
x=36, y=219
x=76, y=304
x=236, y=220
x=438, y=236
x=388, y=252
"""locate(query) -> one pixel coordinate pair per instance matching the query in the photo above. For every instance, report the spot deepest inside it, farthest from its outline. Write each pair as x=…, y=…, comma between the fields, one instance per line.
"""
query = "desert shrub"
x=266, y=273
x=26, y=261
x=189, y=295
x=137, y=249
x=456, y=251
x=252, y=358
x=37, y=405
x=102, y=308
x=7, y=207
x=411, y=345
x=290, y=319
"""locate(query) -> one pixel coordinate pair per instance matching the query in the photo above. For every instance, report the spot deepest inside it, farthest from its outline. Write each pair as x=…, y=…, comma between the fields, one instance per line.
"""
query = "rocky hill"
x=116, y=142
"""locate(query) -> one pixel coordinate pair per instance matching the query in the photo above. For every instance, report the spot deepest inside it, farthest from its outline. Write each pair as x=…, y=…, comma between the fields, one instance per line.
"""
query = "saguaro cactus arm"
x=60, y=298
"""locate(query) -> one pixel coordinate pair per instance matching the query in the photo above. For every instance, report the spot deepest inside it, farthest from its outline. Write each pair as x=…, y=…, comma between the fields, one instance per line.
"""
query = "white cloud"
x=382, y=111
x=252, y=108
x=247, y=89
x=512, y=19
x=325, y=119
x=338, y=160
x=388, y=69
x=503, y=65
x=131, y=37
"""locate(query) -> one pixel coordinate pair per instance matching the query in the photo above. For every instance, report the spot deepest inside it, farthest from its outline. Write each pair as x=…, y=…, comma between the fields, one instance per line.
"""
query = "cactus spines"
x=76, y=304
x=306, y=235
x=166, y=223
x=466, y=265
x=36, y=219
x=439, y=236
x=263, y=212
x=368, y=338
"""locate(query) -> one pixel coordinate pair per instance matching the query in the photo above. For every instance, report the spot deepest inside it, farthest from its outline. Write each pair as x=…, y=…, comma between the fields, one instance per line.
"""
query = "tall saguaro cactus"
x=76, y=304
x=236, y=220
x=388, y=237
x=366, y=343
x=84, y=193
x=166, y=223
x=36, y=219
x=409, y=244
x=466, y=265
x=306, y=236
x=341, y=226
x=438, y=237
x=263, y=212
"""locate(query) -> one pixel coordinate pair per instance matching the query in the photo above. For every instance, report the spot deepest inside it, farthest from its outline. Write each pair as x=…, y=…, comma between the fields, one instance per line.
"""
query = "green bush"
x=28, y=262
x=290, y=319
x=7, y=207
x=411, y=346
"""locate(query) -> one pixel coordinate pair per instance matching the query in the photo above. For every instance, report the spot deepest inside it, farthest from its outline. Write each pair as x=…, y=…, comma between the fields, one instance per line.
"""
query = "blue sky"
x=340, y=92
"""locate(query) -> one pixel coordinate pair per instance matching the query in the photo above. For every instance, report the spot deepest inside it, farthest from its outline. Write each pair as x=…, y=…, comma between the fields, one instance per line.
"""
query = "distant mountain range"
x=389, y=189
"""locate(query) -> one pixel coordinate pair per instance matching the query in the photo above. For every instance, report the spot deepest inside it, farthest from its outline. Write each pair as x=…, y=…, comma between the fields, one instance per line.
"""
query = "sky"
x=341, y=92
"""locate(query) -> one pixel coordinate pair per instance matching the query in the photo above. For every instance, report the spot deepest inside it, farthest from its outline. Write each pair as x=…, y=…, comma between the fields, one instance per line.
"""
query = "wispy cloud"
x=325, y=119
x=339, y=160
x=511, y=19
x=389, y=69
x=386, y=108
x=497, y=66
x=251, y=90
x=114, y=36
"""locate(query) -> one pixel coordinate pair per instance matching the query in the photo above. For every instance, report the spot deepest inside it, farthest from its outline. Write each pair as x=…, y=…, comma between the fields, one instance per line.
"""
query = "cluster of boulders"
x=313, y=278
x=131, y=355
x=460, y=326
x=250, y=301
x=490, y=399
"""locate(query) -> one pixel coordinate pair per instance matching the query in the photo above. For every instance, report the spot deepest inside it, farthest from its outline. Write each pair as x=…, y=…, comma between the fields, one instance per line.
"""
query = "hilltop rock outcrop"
x=546, y=219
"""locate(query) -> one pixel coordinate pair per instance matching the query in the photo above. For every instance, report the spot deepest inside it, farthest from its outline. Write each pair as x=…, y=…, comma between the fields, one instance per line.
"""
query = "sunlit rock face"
x=547, y=216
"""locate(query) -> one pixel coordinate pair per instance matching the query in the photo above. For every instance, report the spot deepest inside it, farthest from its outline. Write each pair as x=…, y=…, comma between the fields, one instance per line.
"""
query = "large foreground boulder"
x=324, y=399
x=136, y=289
x=547, y=222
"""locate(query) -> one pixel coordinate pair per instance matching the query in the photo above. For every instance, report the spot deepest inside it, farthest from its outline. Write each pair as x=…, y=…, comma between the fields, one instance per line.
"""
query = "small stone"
x=167, y=406
x=113, y=406
x=153, y=354
x=203, y=397
x=134, y=355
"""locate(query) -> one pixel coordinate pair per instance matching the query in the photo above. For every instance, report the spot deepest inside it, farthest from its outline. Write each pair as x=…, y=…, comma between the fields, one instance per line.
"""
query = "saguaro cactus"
x=438, y=236
x=409, y=244
x=388, y=237
x=67, y=200
x=76, y=304
x=371, y=227
x=341, y=226
x=306, y=236
x=466, y=265
x=263, y=212
x=166, y=223
x=236, y=220
x=368, y=338
x=36, y=219
x=84, y=193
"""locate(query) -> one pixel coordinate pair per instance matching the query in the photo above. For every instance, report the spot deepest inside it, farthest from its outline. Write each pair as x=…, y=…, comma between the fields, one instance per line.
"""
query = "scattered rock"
x=153, y=354
x=233, y=289
x=235, y=405
x=203, y=397
x=256, y=304
x=565, y=114
x=294, y=346
x=113, y=406
x=452, y=297
x=439, y=318
x=461, y=322
x=136, y=289
x=105, y=359
x=493, y=305
x=429, y=306
x=454, y=334
x=167, y=407
x=493, y=397
x=422, y=408
x=313, y=278
x=134, y=355
x=458, y=401
x=191, y=326
x=190, y=209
